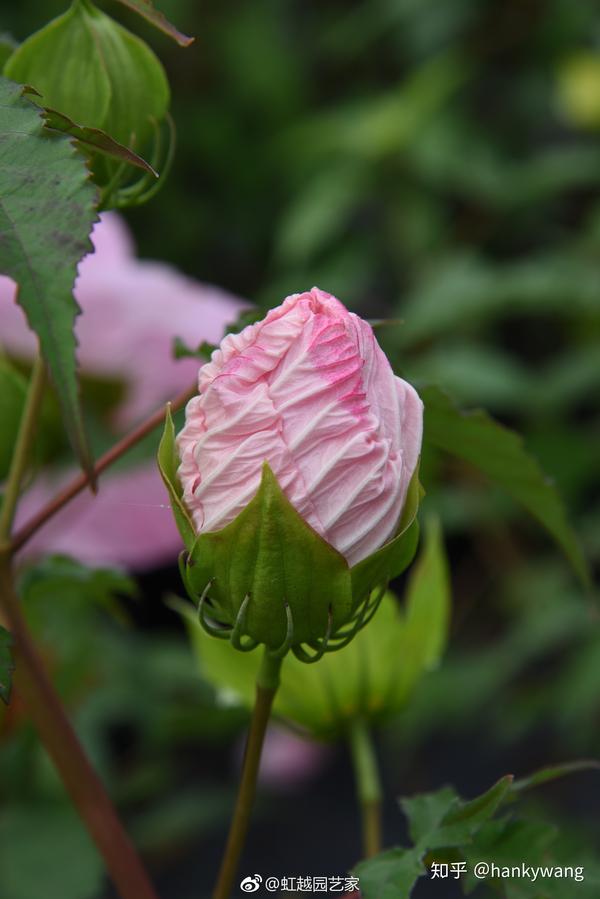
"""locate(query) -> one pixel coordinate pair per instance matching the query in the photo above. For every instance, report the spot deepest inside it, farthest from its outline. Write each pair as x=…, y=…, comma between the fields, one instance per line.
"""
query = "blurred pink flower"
x=288, y=761
x=132, y=309
x=127, y=524
x=309, y=390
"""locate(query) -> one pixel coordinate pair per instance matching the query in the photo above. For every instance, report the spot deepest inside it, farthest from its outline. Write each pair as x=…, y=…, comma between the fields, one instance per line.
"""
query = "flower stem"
x=267, y=682
x=23, y=443
x=81, y=480
x=368, y=785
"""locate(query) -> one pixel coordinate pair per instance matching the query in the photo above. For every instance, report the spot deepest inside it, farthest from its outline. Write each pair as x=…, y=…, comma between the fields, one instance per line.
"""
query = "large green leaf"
x=6, y=664
x=501, y=455
x=47, y=209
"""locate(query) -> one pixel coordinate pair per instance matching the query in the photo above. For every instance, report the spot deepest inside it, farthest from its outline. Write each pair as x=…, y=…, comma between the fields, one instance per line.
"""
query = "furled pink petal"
x=309, y=390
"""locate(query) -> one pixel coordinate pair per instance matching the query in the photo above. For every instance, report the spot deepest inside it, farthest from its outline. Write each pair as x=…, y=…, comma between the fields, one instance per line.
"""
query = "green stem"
x=267, y=682
x=368, y=785
x=20, y=456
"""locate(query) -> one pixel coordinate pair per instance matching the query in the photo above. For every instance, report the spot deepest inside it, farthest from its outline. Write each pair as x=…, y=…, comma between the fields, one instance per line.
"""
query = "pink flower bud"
x=308, y=390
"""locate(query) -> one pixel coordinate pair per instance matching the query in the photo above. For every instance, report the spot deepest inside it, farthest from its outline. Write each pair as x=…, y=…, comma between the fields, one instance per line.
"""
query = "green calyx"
x=372, y=680
x=268, y=577
x=88, y=67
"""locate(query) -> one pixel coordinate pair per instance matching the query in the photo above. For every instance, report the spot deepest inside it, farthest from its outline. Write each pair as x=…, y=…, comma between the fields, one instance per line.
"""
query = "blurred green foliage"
x=437, y=164
x=136, y=702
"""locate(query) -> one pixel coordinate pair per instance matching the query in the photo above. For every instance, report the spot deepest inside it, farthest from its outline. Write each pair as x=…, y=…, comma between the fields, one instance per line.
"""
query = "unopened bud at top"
x=99, y=74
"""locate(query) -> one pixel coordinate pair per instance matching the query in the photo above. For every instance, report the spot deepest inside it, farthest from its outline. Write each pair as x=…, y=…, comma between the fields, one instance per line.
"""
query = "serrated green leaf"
x=426, y=811
x=13, y=390
x=436, y=820
x=500, y=454
x=268, y=552
x=441, y=819
x=390, y=875
x=6, y=664
x=47, y=209
x=149, y=12
x=467, y=817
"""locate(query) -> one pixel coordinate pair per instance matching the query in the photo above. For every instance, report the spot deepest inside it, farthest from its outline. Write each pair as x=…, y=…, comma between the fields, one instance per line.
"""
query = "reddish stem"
x=80, y=779
x=81, y=481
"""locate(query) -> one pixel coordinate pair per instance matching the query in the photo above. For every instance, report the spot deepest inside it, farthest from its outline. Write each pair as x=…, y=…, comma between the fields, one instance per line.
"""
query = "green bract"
x=268, y=577
x=91, y=69
x=375, y=676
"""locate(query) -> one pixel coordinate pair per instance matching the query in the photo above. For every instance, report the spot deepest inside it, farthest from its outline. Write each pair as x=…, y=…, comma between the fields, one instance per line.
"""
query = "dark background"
x=432, y=162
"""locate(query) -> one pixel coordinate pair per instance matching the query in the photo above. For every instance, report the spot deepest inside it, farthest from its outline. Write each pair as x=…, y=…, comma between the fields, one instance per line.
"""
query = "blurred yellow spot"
x=578, y=90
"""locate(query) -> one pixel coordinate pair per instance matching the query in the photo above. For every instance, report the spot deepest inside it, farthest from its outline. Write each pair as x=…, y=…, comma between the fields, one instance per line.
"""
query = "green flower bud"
x=90, y=68
x=268, y=577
